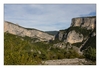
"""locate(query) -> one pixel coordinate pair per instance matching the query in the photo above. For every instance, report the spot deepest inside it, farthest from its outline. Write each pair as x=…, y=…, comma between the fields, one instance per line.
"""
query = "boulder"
x=74, y=37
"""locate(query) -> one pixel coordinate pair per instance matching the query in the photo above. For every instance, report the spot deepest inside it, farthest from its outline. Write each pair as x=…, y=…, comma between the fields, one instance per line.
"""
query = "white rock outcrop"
x=71, y=36
x=86, y=22
x=74, y=37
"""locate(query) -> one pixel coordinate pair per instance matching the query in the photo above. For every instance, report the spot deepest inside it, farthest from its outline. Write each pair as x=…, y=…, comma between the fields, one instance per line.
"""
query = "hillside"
x=24, y=51
x=81, y=36
x=33, y=47
x=81, y=29
x=30, y=32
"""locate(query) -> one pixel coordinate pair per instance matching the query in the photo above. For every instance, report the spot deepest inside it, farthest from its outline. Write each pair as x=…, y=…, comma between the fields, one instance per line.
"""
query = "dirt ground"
x=75, y=61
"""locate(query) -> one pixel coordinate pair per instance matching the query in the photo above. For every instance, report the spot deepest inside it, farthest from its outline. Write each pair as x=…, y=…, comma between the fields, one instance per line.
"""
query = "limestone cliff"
x=79, y=32
x=85, y=22
x=21, y=31
x=74, y=37
x=79, y=29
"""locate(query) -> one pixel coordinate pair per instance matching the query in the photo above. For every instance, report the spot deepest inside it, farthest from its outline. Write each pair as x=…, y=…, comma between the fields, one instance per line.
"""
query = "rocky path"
x=75, y=61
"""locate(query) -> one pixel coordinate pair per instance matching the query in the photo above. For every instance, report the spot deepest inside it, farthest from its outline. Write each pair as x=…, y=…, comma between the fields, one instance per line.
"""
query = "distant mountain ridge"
x=22, y=31
x=52, y=32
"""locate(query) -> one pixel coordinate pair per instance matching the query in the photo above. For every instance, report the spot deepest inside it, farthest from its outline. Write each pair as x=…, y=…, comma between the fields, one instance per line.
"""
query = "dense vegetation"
x=24, y=51
x=90, y=54
x=90, y=49
x=90, y=46
x=30, y=51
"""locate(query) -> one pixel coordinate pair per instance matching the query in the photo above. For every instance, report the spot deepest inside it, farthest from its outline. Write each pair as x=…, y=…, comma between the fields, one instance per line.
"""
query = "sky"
x=46, y=17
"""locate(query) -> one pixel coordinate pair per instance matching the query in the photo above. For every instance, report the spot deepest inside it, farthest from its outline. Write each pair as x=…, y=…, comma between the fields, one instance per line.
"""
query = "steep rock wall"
x=86, y=22
x=72, y=36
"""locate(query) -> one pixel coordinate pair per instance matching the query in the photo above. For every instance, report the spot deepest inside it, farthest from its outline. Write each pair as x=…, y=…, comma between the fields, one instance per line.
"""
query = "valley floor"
x=75, y=61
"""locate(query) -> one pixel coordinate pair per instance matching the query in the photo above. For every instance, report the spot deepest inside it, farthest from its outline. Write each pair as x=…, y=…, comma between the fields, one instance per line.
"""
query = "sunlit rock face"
x=74, y=37
x=77, y=35
x=71, y=36
x=85, y=22
x=21, y=31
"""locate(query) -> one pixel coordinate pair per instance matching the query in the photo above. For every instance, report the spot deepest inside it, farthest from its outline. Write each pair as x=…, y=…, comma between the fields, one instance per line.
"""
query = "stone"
x=60, y=45
x=75, y=61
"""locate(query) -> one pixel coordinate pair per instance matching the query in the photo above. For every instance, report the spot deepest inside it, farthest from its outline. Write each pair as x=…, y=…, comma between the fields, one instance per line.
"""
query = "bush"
x=90, y=54
x=60, y=55
x=43, y=56
x=71, y=54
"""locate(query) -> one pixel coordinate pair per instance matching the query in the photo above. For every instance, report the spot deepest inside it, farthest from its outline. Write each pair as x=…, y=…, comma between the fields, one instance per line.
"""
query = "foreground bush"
x=90, y=54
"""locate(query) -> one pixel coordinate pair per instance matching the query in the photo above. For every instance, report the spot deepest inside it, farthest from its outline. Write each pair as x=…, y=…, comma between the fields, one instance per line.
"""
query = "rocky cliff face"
x=74, y=37
x=79, y=32
x=85, y=22
x=76, y=32
x=21, y=31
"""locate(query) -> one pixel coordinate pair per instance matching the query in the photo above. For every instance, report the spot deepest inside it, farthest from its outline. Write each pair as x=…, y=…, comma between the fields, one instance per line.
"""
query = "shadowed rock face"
x=21, y=31
x=61, y=35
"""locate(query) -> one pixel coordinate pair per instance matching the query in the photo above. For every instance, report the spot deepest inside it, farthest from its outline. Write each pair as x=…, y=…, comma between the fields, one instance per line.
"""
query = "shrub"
x=71, y=54
x=43, y=56
x=60, y=56
x=90, y=54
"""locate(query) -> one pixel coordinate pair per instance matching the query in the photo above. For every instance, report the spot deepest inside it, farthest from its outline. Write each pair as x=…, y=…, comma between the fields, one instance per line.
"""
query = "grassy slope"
x=22, y=51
